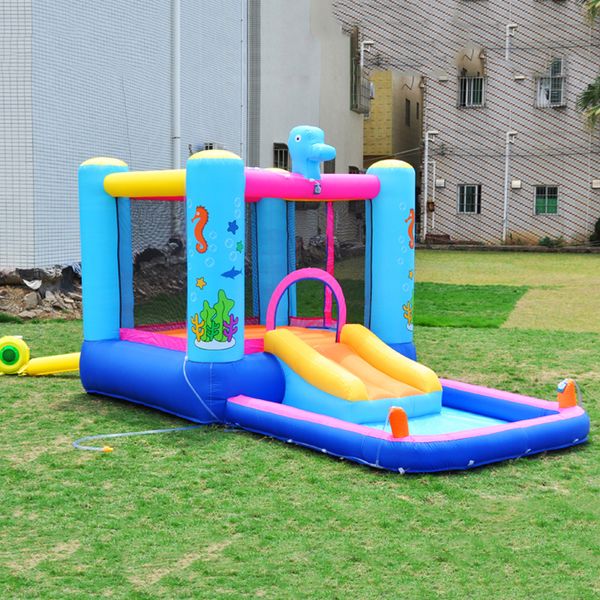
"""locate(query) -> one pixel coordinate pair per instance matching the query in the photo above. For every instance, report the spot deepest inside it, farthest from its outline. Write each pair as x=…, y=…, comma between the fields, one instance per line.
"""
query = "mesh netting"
x=159, y=262
x=311, y=251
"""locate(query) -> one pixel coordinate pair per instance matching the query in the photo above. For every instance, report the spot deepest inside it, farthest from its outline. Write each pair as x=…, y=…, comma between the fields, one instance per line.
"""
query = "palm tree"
x=592, y=8
x=589, y=101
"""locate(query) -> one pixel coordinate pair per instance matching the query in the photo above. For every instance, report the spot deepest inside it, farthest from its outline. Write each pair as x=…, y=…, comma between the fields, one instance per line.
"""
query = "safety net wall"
x=158, y=253
x=159, y=263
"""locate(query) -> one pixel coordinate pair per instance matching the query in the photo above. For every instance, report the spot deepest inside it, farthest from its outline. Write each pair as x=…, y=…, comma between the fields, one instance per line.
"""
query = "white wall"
x=16, y=147
x=305, y=78
x=101, y=85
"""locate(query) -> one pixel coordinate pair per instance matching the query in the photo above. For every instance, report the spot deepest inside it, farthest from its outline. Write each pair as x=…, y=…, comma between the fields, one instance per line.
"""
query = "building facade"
x=510, y=158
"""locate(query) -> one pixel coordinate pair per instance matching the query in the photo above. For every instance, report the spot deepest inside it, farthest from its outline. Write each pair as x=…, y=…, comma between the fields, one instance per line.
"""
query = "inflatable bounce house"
x=246, y=359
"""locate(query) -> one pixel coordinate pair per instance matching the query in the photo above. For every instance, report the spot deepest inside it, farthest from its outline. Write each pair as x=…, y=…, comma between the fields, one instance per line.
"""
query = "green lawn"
x=215, y=514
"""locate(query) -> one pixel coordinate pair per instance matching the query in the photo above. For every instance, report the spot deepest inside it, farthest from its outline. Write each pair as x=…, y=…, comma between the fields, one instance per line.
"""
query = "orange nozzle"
x=398, y=422
x=567, y=394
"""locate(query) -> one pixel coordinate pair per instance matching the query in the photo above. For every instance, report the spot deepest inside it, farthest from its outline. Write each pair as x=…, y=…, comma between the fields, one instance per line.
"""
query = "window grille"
x=471, y=91
x=551, y=86
x=469, y=198
x=281, y=156
x=360, y=85
x=546, y=199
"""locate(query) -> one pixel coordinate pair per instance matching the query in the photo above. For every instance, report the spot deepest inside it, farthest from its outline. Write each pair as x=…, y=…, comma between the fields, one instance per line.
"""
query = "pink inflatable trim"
x=261, y=183
x=304, y=415
x=300, y=275
x=155, y=338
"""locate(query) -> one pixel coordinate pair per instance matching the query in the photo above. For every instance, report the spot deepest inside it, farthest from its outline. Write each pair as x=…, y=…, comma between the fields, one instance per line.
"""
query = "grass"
x=211, y=514
x=8, y=318
x=563, y=289
x=438, y=304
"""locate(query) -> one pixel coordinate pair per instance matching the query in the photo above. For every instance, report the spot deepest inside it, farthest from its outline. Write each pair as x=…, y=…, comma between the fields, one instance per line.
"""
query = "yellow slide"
x=359, y=367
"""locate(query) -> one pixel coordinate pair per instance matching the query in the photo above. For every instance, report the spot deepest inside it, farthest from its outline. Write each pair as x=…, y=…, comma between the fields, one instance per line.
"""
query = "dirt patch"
x=61, y=551
x=150, y=575
x=569, y=308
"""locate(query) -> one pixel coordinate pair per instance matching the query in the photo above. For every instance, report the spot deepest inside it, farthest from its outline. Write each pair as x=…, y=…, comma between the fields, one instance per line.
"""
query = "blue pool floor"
x=447, y=421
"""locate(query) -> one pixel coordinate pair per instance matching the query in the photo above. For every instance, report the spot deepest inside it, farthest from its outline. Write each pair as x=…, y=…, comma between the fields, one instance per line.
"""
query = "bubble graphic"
x=233, y=256
x=212, y=248
x=212, y=235
x=237, y=202
x=228, y=243
x=193, y=296
x=237, y=213
x=400, y=260
x=209, y=262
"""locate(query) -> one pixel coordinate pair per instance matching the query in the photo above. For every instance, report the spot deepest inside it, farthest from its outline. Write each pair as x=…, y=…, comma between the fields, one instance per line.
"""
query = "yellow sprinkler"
x=15, y=359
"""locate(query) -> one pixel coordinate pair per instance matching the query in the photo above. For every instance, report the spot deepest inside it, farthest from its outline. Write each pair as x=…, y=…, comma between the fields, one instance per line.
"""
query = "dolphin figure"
x=308, y=151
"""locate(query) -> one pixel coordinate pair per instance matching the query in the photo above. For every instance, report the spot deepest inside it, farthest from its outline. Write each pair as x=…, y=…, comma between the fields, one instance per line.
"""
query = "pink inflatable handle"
x=301, y=275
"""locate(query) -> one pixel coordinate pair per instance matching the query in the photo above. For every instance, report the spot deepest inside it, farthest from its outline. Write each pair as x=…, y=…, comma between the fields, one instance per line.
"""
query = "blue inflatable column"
x=99, y=250
x=215, y=223
x=390, y=256
x=272, y=226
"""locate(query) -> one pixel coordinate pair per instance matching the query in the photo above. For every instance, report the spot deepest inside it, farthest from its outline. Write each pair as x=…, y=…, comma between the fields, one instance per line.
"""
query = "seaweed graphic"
x=222, y=309
x=408, y=313
x=197, y=327
x=210, y=328
x=230, y=327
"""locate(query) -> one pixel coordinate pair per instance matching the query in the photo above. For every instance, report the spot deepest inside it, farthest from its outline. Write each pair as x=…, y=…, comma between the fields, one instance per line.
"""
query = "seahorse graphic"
x=411, y=228
x=202, y=216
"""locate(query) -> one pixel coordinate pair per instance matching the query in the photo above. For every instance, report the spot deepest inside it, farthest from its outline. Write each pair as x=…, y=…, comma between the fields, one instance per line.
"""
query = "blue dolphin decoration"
x=308, y=150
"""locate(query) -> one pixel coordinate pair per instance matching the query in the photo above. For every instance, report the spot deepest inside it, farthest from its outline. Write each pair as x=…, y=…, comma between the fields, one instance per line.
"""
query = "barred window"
x=469, y=198
x=281, y=156
x=551, y=86
x=546, y=199
x=471, y=91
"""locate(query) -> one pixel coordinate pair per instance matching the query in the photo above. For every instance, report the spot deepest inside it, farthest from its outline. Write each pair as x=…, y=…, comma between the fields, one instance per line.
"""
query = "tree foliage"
x=589, y=102
x=592, y=8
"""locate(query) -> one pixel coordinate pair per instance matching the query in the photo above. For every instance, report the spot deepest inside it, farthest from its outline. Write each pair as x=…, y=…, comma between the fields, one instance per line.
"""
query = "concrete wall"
x=101, y=85
x=553, y=146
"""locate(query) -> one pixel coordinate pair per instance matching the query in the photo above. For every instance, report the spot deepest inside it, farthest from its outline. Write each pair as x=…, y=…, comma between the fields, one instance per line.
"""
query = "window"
x=407, y=112
x=551, y=86
x=360, y=86
x=281, y=156
x=469, y=198
x=471, y=91
x=329, y=166
x=546, y=199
